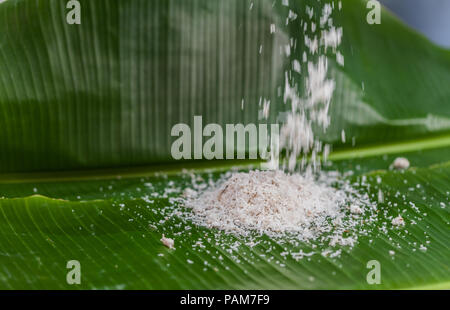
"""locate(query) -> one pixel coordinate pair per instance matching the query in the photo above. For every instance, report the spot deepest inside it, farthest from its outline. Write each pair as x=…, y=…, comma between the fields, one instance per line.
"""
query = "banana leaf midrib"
x=199, y=166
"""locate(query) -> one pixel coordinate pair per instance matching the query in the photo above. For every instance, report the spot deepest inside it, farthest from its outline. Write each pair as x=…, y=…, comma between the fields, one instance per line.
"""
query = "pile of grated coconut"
x=278, y=204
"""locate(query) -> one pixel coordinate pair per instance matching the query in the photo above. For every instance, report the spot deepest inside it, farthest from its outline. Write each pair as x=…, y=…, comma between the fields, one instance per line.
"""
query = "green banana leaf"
x=107, y=92
x=104, y=95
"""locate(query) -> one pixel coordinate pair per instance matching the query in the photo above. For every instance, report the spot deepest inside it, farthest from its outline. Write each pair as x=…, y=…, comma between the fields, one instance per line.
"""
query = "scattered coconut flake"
x=355, y=209
x=380, y=196
x=400, y=163
x=168, y=242
x=291, y=208
x=398, y=221
x=189, y=193
x=340, y=59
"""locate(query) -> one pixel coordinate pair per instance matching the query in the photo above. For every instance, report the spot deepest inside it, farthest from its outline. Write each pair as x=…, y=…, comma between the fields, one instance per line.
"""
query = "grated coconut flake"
x=279, y=204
